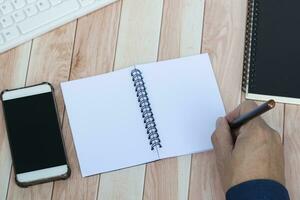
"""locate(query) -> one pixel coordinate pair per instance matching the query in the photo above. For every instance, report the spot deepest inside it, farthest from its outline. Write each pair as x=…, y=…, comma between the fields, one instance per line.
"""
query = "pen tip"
x=271, y=103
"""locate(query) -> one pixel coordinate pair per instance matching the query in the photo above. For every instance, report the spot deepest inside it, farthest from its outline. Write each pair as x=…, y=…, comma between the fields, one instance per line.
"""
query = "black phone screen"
x=34, y=133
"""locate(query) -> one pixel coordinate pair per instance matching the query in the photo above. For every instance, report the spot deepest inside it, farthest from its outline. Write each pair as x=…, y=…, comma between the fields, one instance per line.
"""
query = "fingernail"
x=218, y=122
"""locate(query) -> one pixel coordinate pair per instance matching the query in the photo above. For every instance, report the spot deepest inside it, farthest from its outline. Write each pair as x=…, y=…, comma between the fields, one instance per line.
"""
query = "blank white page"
x=106, y=123
x=186, y=102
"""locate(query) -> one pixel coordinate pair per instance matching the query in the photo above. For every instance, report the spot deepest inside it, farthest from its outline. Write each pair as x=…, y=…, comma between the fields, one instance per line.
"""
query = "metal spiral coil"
x=146, y=110
x=250, y=44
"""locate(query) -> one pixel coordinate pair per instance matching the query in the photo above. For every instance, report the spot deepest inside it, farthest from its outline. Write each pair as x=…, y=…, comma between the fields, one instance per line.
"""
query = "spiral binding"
x=146, y=110
x=250, y=44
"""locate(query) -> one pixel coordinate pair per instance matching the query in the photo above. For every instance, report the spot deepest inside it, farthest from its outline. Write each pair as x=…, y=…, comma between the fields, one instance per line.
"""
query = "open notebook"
x=143, y=113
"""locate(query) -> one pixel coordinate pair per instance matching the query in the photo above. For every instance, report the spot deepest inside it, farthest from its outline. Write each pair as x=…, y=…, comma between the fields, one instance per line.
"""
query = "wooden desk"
x=135, y=31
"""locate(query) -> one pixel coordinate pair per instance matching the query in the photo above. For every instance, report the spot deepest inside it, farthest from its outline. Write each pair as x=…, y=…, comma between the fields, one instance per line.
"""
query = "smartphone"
x=34, y=135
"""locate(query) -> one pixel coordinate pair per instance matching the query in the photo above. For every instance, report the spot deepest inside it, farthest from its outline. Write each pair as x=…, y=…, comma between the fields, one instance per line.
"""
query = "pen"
x=252, y=114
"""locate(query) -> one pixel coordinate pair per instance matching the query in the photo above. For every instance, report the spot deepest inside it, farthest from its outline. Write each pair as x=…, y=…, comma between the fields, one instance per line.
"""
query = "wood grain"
x=182, y=26
x=169, y=178
x=94, y=53
x=205, y=182
x=223, y=39
x=132, y=32
x=137, y=43
x=139, y=32
x=13, y=70
x=50, y=61
x=292, y=150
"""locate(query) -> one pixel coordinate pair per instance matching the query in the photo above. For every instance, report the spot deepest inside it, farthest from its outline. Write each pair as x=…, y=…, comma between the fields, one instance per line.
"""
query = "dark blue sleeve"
x=258, y=190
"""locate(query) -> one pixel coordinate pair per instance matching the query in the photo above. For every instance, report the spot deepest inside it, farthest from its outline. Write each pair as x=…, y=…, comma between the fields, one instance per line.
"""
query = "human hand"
x=256, y=154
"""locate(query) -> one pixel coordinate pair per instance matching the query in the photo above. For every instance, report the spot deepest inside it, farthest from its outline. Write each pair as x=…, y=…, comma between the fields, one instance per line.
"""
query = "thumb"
x=222, y=139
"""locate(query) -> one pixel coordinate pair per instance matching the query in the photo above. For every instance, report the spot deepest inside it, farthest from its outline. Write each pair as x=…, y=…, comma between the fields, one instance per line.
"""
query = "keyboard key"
x=6, y=21
x=18, y=3
x=6, y=8
x=43, y=5
x=18, y=16
x=86, y=2
x=31, y=10
x=11, y=33
x=55, y=2
x=48, y=16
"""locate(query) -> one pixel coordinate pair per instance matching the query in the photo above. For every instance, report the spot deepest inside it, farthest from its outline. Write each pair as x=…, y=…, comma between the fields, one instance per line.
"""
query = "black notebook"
x=272, y=51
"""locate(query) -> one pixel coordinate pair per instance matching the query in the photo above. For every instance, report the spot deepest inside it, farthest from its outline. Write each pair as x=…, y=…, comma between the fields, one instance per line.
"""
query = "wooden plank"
x=137, y=43
x=94, y=52
x=205, y=182
x=182, y=27
x=139, y=32
x=50, y=61
x=13, y=70
x=181, y=35
x=168, y=179
x=223, y=39
x=292, y=150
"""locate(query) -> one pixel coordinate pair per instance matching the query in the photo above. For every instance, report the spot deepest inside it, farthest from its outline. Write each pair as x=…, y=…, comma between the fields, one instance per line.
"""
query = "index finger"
x=243, y=108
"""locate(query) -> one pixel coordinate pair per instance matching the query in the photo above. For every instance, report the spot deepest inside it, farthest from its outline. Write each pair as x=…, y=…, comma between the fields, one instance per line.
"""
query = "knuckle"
x=214, y=138
x=248, y=105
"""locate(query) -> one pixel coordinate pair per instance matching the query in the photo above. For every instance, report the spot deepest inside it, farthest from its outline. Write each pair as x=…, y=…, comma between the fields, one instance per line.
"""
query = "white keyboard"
x=23, y=20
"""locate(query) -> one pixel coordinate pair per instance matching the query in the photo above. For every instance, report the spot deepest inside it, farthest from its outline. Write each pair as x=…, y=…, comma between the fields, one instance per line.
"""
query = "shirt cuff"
x=258, y=190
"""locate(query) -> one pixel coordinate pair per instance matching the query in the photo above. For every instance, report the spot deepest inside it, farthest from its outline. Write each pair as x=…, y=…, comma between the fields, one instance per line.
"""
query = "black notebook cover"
x=272, y=50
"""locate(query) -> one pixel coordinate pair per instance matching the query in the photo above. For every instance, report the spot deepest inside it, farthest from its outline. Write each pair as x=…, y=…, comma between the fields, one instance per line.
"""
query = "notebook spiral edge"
x=251, y=23
x=146, y=110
